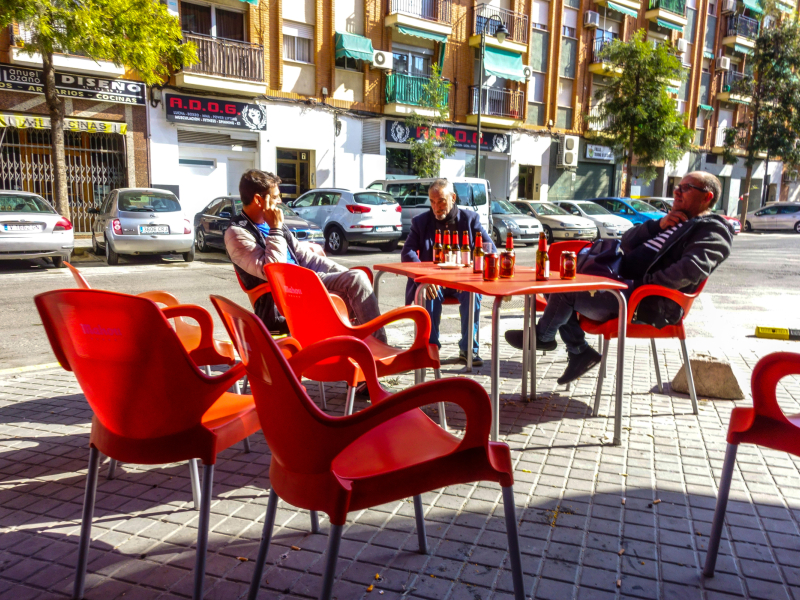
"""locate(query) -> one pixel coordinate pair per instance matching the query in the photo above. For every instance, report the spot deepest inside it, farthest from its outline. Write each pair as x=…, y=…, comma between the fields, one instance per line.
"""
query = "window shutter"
x=300, y=30
x=371, y=137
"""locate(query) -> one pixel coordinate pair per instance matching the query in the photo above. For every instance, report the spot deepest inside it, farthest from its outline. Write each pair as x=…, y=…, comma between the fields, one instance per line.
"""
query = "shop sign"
x=466, y=139
x=120, y=91
x=70, y=124
x=216, y=112
x=599, y=152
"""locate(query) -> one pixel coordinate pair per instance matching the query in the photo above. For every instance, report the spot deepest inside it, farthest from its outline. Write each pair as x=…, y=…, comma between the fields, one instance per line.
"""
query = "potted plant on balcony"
x=428, y=149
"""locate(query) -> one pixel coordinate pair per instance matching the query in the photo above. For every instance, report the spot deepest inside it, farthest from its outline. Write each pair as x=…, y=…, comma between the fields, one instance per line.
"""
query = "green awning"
x=737, y=100
x=708, y=54
x=704, y=107
x=753, y=5
x=502, y=63
x=668, y=25
x=672, y=90
x=354, y=46
x=787, y=8
x=622, y=9
x=428, y=35
x=743, y=49
x=253, y=2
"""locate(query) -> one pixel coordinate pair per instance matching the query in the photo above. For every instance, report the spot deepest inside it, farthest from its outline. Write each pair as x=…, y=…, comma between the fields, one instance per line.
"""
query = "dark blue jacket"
x=421, y=237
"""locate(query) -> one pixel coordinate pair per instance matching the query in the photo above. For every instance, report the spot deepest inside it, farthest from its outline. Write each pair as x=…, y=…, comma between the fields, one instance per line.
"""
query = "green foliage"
x=427, y=152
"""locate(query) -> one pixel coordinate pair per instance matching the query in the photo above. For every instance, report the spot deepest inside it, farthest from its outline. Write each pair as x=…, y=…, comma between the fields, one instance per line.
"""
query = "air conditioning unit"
x=567, y=152
x=728, y=7
x=790, y=176
x=682, y=45
x=723, y=63
x=527, y=72
x=591, y=19
x=382, y=60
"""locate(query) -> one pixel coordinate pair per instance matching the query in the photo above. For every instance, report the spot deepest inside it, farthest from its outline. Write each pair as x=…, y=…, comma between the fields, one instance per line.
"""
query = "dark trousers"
x=561, y=314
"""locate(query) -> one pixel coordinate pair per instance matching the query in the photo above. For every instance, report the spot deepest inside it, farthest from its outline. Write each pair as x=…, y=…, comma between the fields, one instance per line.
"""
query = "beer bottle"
x=465, y=251
x=542, y=260
x=438, y=249
x=477, y=258
x=507, y=258
x=448, y=249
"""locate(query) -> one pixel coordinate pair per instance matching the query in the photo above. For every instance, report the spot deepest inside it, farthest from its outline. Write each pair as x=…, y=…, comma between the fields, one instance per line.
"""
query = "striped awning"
x=428, y=35
x=622, y=9
x=704, y=107
x=672, y=90
x=753, y=5
x=708, y=54
x=787, y=8
x=743, y=49
x=668, y=25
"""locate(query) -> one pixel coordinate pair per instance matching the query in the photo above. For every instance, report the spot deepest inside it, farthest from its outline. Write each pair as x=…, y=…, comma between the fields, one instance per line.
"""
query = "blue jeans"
x=434, y=308
x=561, y=314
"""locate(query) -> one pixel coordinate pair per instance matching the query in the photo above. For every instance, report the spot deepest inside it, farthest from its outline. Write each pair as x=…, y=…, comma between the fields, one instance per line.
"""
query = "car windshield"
x=286, y=210
x=374, y=198
x=24, y=204
x=545, y=208
x=503, y=207
x=643, y=206
x=148, y=202
x=590, y=208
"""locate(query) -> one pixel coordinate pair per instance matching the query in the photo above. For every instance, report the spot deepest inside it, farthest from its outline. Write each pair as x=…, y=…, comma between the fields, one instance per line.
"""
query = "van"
x=412, y=195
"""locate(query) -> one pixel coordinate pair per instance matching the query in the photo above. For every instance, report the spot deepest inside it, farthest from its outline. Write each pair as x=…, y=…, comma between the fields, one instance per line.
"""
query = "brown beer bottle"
x=466, y=254
x=507, y=258
x=477, y=257
x=448, y=249
x=542, y=260
x=438, y=250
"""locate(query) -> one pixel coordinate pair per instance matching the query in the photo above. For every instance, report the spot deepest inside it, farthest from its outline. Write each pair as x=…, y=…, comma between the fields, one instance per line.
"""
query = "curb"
x=41, y=367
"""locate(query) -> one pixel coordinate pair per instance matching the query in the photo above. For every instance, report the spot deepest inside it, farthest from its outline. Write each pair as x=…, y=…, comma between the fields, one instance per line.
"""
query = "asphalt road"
x=758, y=285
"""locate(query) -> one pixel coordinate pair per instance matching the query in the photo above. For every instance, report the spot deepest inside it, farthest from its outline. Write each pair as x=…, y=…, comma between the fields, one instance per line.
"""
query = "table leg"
x=622, y=319
x=525, y=319
x=419, y=300
x=376, y=283
x=531, y=333
x=470, y=327
x=496, y=368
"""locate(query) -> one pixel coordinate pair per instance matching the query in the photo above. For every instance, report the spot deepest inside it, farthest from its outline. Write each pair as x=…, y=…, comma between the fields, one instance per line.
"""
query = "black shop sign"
x=466, y=139
x=216, y=112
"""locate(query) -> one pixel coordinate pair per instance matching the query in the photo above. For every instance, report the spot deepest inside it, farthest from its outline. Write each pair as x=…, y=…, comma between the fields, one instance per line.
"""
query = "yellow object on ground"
x=777, y=333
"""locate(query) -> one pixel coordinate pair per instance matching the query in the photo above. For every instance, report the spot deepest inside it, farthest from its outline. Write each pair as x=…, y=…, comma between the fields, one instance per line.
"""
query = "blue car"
x=636, y=211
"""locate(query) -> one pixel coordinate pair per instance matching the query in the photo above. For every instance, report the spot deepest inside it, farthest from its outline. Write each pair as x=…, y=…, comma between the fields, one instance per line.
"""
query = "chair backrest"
x=79, y=280
x=132, y=368
x=256, y=293
x=690, y=298
x=764, y=382
x=557, y=248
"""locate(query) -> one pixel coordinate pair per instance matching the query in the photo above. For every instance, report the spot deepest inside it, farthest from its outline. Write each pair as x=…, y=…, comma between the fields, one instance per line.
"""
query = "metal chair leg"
x=569, y=386
x=314, y=521
x=322, y=395
x=202, y=532
x=351, y=400
x=194, y=475
x=437, y=374
x=112, y=468
x=689, y=378
x=207, y=370
x=334, y=539
x=237, y=389
x=246, y=442
x=86, y=523
x=244, y=384
x=419, y=515
x=655, y=364
x=600, y=376
x=719, y=513
x=513, y=543
x=263, y=548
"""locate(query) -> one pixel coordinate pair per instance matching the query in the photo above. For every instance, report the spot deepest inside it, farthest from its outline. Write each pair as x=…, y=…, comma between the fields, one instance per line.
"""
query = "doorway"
x=294, y=170
x=530, y=179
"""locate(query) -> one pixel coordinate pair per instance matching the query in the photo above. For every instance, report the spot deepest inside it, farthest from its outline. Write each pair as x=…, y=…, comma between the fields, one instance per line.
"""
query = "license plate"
x=153, y=229
x=22, y=227
x=384, y=229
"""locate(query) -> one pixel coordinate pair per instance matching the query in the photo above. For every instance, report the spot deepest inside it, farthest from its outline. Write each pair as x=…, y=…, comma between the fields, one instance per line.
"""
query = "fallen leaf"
x=370, y=588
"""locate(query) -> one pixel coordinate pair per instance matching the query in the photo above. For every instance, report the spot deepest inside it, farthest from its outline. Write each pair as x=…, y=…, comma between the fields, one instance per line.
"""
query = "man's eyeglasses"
x=685, y=187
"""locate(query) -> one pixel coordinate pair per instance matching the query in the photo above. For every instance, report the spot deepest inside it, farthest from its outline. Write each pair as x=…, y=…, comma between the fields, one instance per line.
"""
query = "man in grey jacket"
x=257, y=236
x=678, y=251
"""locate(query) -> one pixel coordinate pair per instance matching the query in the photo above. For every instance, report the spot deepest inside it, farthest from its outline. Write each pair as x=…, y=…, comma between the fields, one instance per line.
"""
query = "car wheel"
x=747, y=227
x=335, y=242
x=112, y=258
x=200, y=240
x=189, y=256
x=495, y=237
x=548, y=233
x=388, y=246
x=797, y=227
x=58, y=262
x=95, y=247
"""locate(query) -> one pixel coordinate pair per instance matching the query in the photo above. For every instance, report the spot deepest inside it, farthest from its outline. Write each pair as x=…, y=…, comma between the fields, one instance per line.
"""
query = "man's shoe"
x=580, y=364
x=514, y=339
x=362, y=391
x=477, y=361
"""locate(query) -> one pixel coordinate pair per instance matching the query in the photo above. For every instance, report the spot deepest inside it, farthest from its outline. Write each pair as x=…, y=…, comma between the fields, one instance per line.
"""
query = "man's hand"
x=432, y=291
x=672, y=218
x=272, y=214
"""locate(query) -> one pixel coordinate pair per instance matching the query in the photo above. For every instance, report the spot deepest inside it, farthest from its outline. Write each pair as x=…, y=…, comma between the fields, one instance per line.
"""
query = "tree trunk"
x=57, y=158
x=751, y=150
x=628, y=180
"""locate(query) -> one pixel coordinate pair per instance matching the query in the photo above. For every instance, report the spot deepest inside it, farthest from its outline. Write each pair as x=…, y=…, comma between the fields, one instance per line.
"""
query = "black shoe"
x=514, y=339
x=580, y=364
x=477, y=361
x=362, y=391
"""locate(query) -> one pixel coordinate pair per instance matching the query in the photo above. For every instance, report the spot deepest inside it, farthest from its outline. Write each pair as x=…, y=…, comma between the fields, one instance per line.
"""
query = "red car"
x=737, y=225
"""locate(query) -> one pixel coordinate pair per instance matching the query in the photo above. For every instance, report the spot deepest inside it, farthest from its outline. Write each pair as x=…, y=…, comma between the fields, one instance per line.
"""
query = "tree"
x=427, y=151
x=139, y=34
x=641, y=119
x=772, y=125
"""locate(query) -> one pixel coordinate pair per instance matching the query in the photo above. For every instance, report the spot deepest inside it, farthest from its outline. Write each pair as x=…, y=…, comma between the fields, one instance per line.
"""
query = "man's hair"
x=710, y=184
x=442, y=184
x=255, y=182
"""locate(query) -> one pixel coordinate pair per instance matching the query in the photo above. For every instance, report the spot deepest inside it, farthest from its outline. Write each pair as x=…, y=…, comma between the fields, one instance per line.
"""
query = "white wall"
x=526, y=149
x=302, y=11
x=349, y=16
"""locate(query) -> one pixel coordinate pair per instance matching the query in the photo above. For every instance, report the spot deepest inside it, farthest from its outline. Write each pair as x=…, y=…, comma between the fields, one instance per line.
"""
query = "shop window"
x=298, y=42
x=398, y=162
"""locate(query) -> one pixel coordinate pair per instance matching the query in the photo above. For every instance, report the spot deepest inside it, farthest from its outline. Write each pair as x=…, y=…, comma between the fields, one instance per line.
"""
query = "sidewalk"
x=581, y=502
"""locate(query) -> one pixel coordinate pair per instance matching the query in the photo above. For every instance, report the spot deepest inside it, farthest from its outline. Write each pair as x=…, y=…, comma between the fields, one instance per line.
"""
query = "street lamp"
x=500, y=33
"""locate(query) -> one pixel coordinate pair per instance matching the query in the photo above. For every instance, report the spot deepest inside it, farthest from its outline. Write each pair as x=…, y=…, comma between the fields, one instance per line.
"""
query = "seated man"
x=679, y=251
x=258, y=236
x=444, y=214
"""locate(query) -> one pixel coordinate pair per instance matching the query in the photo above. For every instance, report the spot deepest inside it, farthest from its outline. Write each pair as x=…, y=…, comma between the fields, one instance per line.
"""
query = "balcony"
x=739, y=144
x=224, y=65
x=595, y=129
x=404, y=94
x=670, y=14
x=741, y=33
x=597, y=65
x=486, y=19
x=425, y=16
x=501, y=107
x=735, y=87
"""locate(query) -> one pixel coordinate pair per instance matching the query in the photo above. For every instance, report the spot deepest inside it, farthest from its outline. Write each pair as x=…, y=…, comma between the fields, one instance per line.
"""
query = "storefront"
x=595, y=176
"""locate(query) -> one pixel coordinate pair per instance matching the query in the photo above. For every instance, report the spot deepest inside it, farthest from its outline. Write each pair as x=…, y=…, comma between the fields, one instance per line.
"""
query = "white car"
x=347, y=217
x=776, y=216
x=609, y=226
x=31, y=228
x=558, y=224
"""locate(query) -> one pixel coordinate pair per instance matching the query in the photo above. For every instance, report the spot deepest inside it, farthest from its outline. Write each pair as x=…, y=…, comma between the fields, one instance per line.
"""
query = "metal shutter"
x=213, y=139
x=371, y=137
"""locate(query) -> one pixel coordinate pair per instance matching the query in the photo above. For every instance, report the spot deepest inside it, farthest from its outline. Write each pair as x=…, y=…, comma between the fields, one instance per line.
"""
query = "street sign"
x=214, y=111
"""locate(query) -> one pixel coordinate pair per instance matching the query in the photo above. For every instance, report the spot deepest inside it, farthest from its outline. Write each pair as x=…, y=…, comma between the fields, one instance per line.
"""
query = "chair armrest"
x=289, y=346
x=640, y=293
x=226, y=379
x=258, y=291
x=164, y=298
x=366, y=270
x=764, y=382
x=417, y=314
x=199, y=314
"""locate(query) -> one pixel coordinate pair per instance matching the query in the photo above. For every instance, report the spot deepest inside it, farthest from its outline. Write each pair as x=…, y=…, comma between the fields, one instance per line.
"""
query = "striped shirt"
x=658, y=242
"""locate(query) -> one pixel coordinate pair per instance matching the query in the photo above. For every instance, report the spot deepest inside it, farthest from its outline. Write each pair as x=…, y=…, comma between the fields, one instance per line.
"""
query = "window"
x=230, y=24
x=712, y=7
x=373, y=198
x=196, y=18
x=398, y=162
x=304, y=201
x=410, y=60
x=148, y=202
x=28, y=204
x=345, y=62
x=212, y=209
x=540, y=11
x=297, y=42
x=212, y=21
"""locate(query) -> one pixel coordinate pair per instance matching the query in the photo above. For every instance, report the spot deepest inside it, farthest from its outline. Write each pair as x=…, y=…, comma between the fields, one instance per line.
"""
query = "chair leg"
x=112, y=468
x=600, y=376
x=322, y=395
x=207, y=370
x=237, y=388
x=351, y=400
x=194, y=475
x=86, y=523
x=568, y=386
x=334, y=538
x=513, y=543
x=314, y=521
x=655, y=364
x=263, y=548
x=689, y=378
x=246, y=442
x=202, y=532
x=419, y=515
x=719, y=513
x=244, y=385
x=437, y=374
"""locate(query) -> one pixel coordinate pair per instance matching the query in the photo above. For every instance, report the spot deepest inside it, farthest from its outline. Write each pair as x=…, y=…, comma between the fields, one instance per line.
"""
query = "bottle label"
x=478, y=266
x=547, y=269
x=465, y=258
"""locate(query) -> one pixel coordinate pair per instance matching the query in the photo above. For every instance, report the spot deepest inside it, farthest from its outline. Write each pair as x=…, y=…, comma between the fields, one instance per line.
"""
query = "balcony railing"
x=437, y=11
x=226, y=58
x=743, y=26
x=597, y=47
x=737, y=83
x=674, y=6
x=740, y=139
x=497, y=102
x=401, y=88
x=516, y=23
x=594, y=113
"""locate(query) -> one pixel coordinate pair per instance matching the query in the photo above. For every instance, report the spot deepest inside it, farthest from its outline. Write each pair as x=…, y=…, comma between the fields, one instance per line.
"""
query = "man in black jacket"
x=678, y=251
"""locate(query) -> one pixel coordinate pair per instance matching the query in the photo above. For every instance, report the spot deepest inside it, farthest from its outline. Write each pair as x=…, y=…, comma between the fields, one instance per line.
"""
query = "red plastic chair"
x=556, y=249
x=389, y=451
x=637, y=331
x=151, y=404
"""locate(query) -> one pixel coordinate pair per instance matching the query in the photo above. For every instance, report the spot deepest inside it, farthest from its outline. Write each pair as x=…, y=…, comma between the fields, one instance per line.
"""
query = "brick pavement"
x=569, y=489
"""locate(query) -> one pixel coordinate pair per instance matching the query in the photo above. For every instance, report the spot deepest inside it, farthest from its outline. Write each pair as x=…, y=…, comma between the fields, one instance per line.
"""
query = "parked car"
x=608, y=226
x=506, y=218
x=31, y=228
x=636, y=211
x=211, y=222
x=775, y=216
x=141, y=221
x=663, y=204
x=352, y=217
x=732, y=221
x=557, y=223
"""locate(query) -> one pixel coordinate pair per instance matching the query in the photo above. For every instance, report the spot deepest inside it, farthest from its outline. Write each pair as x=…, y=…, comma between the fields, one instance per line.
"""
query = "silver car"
x=141, y=221
x=31, y=228
x=776, y=216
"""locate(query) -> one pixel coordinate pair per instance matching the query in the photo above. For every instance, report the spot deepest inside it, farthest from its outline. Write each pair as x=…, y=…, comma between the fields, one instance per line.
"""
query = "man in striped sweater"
x=679, y=251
